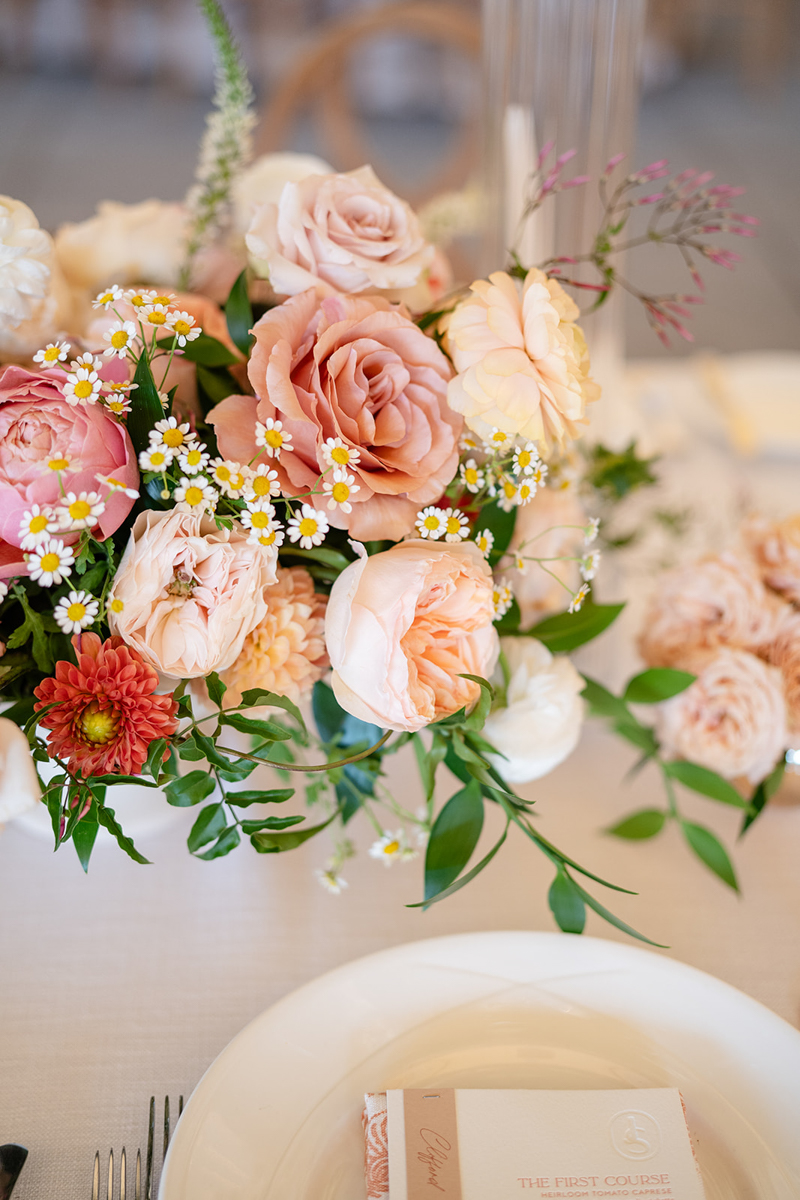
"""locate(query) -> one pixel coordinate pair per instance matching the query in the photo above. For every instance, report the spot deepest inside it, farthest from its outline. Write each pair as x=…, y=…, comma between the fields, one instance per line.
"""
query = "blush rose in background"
x=35, y=301
x=359, y=370
x=404, y=625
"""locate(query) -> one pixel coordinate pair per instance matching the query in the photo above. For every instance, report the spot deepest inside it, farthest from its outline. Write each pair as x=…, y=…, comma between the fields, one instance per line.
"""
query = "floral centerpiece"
x=353, y=494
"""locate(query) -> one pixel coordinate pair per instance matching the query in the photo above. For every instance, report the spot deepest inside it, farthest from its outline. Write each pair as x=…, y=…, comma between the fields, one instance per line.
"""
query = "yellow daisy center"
x=274, y=438
x=194, y=495
x=193, y=457
x=223, y=475
x=50, y=562
x=482, y=543
x=524, y=458
x=453, y=525
x=499, y=436
x=37, y=524
x=308, y=527
x=106, y=298
x=340, y=492
x=79, y=510
x=510, y=490
x=116, y=605
x=157, y=458
x=341, y=455
x=391, y=847
x=161, y=300
x=157, y=318
x=471, y=475
x=173, y=438
x=261, y=485
x=138, y=301
x=119, y=339
x=99, y=725
x=259, y=520
x=182, y=328
x=237, y=482
x=431, y=522
x=58, y=464
x=83, y=388
x=117, y=406
x=51, y=354
x=76, y=611
x=267, y=539
x=524, y=491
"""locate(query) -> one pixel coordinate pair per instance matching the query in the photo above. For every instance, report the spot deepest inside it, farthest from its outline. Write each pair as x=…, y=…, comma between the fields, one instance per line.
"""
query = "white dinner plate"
x=277, y=1115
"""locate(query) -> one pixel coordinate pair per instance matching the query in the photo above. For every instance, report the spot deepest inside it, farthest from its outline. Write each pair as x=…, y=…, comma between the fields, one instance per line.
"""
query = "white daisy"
x=53, y=354
x=590, y=565
x=184, y=327
x=497, y=440
x=456, y=525
x=340, y=489
x=273, y=437
x=309, y=528
x=332, y=882
x=259, y=516
x=165, y=300
x=139, y=298
x=193, y=458
x=119, y=337
x=61, y=463
x=502, y=598
x=471, y=475
x=525, y=460
x=233, y=480
x=590, y=532
x=526, y=491
x=116, y=485
x=154, y=315
x=115, y=605
x=538, y=475
x=120, y=406
x=337, y=454
x=80, y=511
x=431, y=522
x=270, y=535
x=112, y=295
x=171, y=433
x=195, y=494
x=469, y=441
x=485, y=541
x=50, y=563
x=508, y=493
x=119, y=389
x=76, y=611
x=521, y=564
x=155, y=458
x=393, y=847
x=36, y=526
x=576, y=603
x=82, y=386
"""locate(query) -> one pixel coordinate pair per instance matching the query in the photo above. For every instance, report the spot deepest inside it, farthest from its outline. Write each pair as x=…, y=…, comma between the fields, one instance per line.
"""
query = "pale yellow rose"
x=338, y=233
x=522, y=362
x=124, y=244
x=403, y=626
x=35, y=303
x=190, y=593
x=718, y=601
x=551, y=527
x=775, y=546
x=732, y=719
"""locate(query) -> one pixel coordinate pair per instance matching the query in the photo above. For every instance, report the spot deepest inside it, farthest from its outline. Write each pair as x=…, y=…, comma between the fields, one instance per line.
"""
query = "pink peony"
x=358, y=370
x=718, y=601
x=403, y=626
x=731, y=720
x=38, y=426
x=189, y=593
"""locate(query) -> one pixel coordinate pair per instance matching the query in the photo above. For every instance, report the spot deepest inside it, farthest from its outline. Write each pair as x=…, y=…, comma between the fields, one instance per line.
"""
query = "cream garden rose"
x=34, y=300
x=732, y=719
x=338, y=233
x=775, y=547
x=189, y=593
x=541, y=723
x=401, y=628
x=522, y=362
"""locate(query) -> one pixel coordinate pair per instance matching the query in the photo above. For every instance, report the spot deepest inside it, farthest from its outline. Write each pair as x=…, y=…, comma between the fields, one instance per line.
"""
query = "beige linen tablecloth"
x=130, y=981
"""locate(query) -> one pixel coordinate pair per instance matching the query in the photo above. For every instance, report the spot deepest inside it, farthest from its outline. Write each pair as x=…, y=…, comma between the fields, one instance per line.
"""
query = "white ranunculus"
x=262, y=183
x=124, y=244
x=33, y=298
x=19, y=787
x=541, y=725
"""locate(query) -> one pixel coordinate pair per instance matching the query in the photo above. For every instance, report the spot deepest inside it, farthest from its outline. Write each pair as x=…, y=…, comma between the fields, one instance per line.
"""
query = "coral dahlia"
x=105, y=714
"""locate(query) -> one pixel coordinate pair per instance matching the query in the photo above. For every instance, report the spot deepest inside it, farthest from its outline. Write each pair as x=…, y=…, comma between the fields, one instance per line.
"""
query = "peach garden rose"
x=403, y=626
x=357, y=370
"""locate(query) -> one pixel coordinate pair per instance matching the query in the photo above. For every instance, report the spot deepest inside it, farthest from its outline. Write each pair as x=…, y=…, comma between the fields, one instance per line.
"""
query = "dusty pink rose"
x=775, y=546
x=356, y=369
x=190, y=593
x=550, y=526
x=732, y=719
x=37, y=426
x=338, y=233
x=785, y=654
x=718, y=601
x=402, y=626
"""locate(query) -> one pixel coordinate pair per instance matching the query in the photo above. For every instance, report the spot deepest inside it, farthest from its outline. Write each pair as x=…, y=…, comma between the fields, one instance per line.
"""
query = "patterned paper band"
x=432, y=1167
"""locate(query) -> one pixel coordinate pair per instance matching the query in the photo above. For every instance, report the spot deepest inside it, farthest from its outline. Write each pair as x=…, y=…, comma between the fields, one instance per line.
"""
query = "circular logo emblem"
x=635, y=1135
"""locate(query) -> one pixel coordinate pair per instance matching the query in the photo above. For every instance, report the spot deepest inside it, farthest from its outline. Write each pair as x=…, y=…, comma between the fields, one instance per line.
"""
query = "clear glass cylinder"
x=565, y=71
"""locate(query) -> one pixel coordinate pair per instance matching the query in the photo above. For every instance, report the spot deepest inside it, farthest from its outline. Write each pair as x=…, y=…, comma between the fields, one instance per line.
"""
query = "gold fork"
x=149, y=1173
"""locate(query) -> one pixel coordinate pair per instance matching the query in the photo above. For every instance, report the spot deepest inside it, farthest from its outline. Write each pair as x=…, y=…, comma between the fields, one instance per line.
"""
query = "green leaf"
x=268, y=730
x=329, y=717
x=111, y=779
x=657, y=684
x=205, y=350
x=216, y=688
x=189, y=789
x=707, y=783
x=155, y=757
x=428, y=761
x=760, y=797
x=509, y=623
x=320, y=554
x=639, y=735
x=259, y=696
x=84, y=835
x=32, y=627
x=607, y=915
x=217, y=383
x=480, y=712
x=145, y=406
x=268, y=842
x=273, y=796
x=270, y=823
x=643, y=824
x=604, y=703
x=709, y=849
x=465, y=879
x=239, y=315
x=20, y=712
x=501, y=525
x=455, y=765
x=190, y=750
x=618, y=472
x=566, y=904
x=567, y=631
x=209, y=825
x=228, y=840
x=453, y=838
x=107, y=818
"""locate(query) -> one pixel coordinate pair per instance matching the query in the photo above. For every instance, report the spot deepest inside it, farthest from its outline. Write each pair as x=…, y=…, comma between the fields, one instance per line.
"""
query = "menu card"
x=466, y=1144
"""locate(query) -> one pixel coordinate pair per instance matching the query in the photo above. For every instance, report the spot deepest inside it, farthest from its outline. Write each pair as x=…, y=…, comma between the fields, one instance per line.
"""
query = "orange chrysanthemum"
x=106, y=715
x=285, y=653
